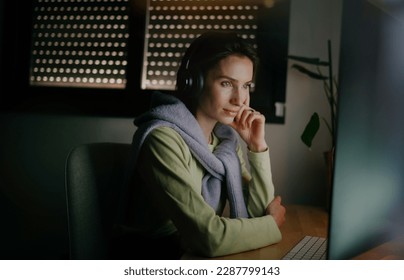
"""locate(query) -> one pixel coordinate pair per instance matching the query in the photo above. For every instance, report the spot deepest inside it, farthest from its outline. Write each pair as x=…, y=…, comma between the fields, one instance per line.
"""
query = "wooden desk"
x=306, y=220
x=390, y=250
x=300, y=221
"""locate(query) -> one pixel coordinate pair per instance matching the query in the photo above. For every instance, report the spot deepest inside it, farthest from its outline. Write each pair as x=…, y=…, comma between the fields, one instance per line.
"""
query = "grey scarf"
x=222, y=166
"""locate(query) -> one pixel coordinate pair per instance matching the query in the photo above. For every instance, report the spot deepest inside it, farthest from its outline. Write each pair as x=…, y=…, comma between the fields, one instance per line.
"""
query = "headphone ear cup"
x=190, y=82
x=196, y=82
x=184, y=83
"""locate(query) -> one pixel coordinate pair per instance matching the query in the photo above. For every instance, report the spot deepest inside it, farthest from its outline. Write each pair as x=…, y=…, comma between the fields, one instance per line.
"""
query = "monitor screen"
x=368, y=188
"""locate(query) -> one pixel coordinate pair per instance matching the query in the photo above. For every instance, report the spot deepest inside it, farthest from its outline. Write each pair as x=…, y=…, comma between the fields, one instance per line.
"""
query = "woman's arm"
x=258, y=182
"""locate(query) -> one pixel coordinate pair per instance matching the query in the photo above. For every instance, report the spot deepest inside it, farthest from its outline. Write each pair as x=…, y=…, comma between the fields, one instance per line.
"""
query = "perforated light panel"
x=79, y=43
x=173, y=24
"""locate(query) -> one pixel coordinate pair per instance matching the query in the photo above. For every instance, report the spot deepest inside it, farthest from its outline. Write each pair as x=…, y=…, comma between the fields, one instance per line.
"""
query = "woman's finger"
x=245, y=117
x=254, y=116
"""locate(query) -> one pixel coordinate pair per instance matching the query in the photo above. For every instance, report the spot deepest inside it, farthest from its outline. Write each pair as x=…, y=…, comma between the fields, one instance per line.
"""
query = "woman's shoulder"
x=165, y=133
x=164, y=144
x=164, y=137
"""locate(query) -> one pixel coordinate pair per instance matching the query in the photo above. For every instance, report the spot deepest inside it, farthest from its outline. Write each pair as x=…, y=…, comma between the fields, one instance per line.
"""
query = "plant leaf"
x=311, y=130
x=309, y=60
x=309, y=73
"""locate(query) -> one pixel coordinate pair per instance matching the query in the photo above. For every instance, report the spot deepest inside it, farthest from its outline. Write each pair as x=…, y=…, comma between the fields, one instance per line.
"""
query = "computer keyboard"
x=309, y=248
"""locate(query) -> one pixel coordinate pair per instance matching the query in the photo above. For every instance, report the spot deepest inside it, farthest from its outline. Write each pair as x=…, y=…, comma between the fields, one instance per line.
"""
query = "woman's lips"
x=230, y=112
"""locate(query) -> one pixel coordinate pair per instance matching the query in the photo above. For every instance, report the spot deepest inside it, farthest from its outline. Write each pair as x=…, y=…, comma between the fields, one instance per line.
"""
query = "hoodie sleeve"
x=259, y=188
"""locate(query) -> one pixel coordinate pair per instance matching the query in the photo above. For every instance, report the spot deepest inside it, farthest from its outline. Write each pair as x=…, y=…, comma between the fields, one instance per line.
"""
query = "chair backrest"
x=95, y=174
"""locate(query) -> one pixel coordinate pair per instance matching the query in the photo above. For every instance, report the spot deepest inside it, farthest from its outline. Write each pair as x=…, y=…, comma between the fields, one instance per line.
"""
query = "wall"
x=33, y=147
x=300, y=173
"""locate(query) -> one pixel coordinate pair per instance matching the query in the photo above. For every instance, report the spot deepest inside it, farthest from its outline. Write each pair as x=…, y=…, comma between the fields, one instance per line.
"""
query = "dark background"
x=40, y=125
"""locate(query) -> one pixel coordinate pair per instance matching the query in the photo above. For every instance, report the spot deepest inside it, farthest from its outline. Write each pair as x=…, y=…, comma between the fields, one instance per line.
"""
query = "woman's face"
x=227, y=87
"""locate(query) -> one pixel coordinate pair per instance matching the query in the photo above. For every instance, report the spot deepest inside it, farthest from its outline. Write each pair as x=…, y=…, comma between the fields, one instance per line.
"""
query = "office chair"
x=94, y=178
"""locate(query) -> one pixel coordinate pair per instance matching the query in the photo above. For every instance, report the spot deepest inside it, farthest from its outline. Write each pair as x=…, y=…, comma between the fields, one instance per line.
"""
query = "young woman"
x=188, y=162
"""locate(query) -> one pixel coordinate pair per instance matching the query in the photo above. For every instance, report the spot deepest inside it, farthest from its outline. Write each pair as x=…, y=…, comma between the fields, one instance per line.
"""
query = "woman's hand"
x=250, y=125
x=277, y=211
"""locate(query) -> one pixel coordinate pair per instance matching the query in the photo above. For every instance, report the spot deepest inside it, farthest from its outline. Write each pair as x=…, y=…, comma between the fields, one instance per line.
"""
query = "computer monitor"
x=367, y=205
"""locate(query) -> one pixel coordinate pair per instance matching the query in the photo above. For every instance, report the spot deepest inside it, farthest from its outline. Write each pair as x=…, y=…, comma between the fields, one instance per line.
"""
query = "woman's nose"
x=238, y=96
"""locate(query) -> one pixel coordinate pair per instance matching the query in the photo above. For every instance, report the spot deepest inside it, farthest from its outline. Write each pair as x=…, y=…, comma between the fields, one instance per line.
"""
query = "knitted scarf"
x=222, y=166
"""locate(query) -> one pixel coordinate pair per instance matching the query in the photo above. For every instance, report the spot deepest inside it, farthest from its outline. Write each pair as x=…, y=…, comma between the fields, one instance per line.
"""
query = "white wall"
x=299, y=173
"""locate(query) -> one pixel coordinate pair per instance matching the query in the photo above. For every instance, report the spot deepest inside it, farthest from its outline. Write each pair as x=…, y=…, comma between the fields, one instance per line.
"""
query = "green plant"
x=330, y=89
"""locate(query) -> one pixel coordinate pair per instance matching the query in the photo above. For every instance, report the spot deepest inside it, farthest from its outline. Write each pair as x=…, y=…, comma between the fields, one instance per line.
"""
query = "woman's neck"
x=207, y=127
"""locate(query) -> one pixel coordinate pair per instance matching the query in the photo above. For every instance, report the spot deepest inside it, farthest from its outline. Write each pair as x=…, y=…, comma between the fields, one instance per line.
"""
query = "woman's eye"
x=226, y=84
x=248, y=86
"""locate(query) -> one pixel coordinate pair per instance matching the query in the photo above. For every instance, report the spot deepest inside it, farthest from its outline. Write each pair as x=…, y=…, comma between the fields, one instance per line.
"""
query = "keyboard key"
x=309, y=248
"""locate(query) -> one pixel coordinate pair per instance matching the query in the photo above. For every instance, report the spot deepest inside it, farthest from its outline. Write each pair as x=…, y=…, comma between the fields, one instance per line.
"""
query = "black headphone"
x=190, y=78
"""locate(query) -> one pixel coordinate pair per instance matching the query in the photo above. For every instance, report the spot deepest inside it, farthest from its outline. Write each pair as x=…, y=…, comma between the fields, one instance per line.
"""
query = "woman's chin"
x=227, y=120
